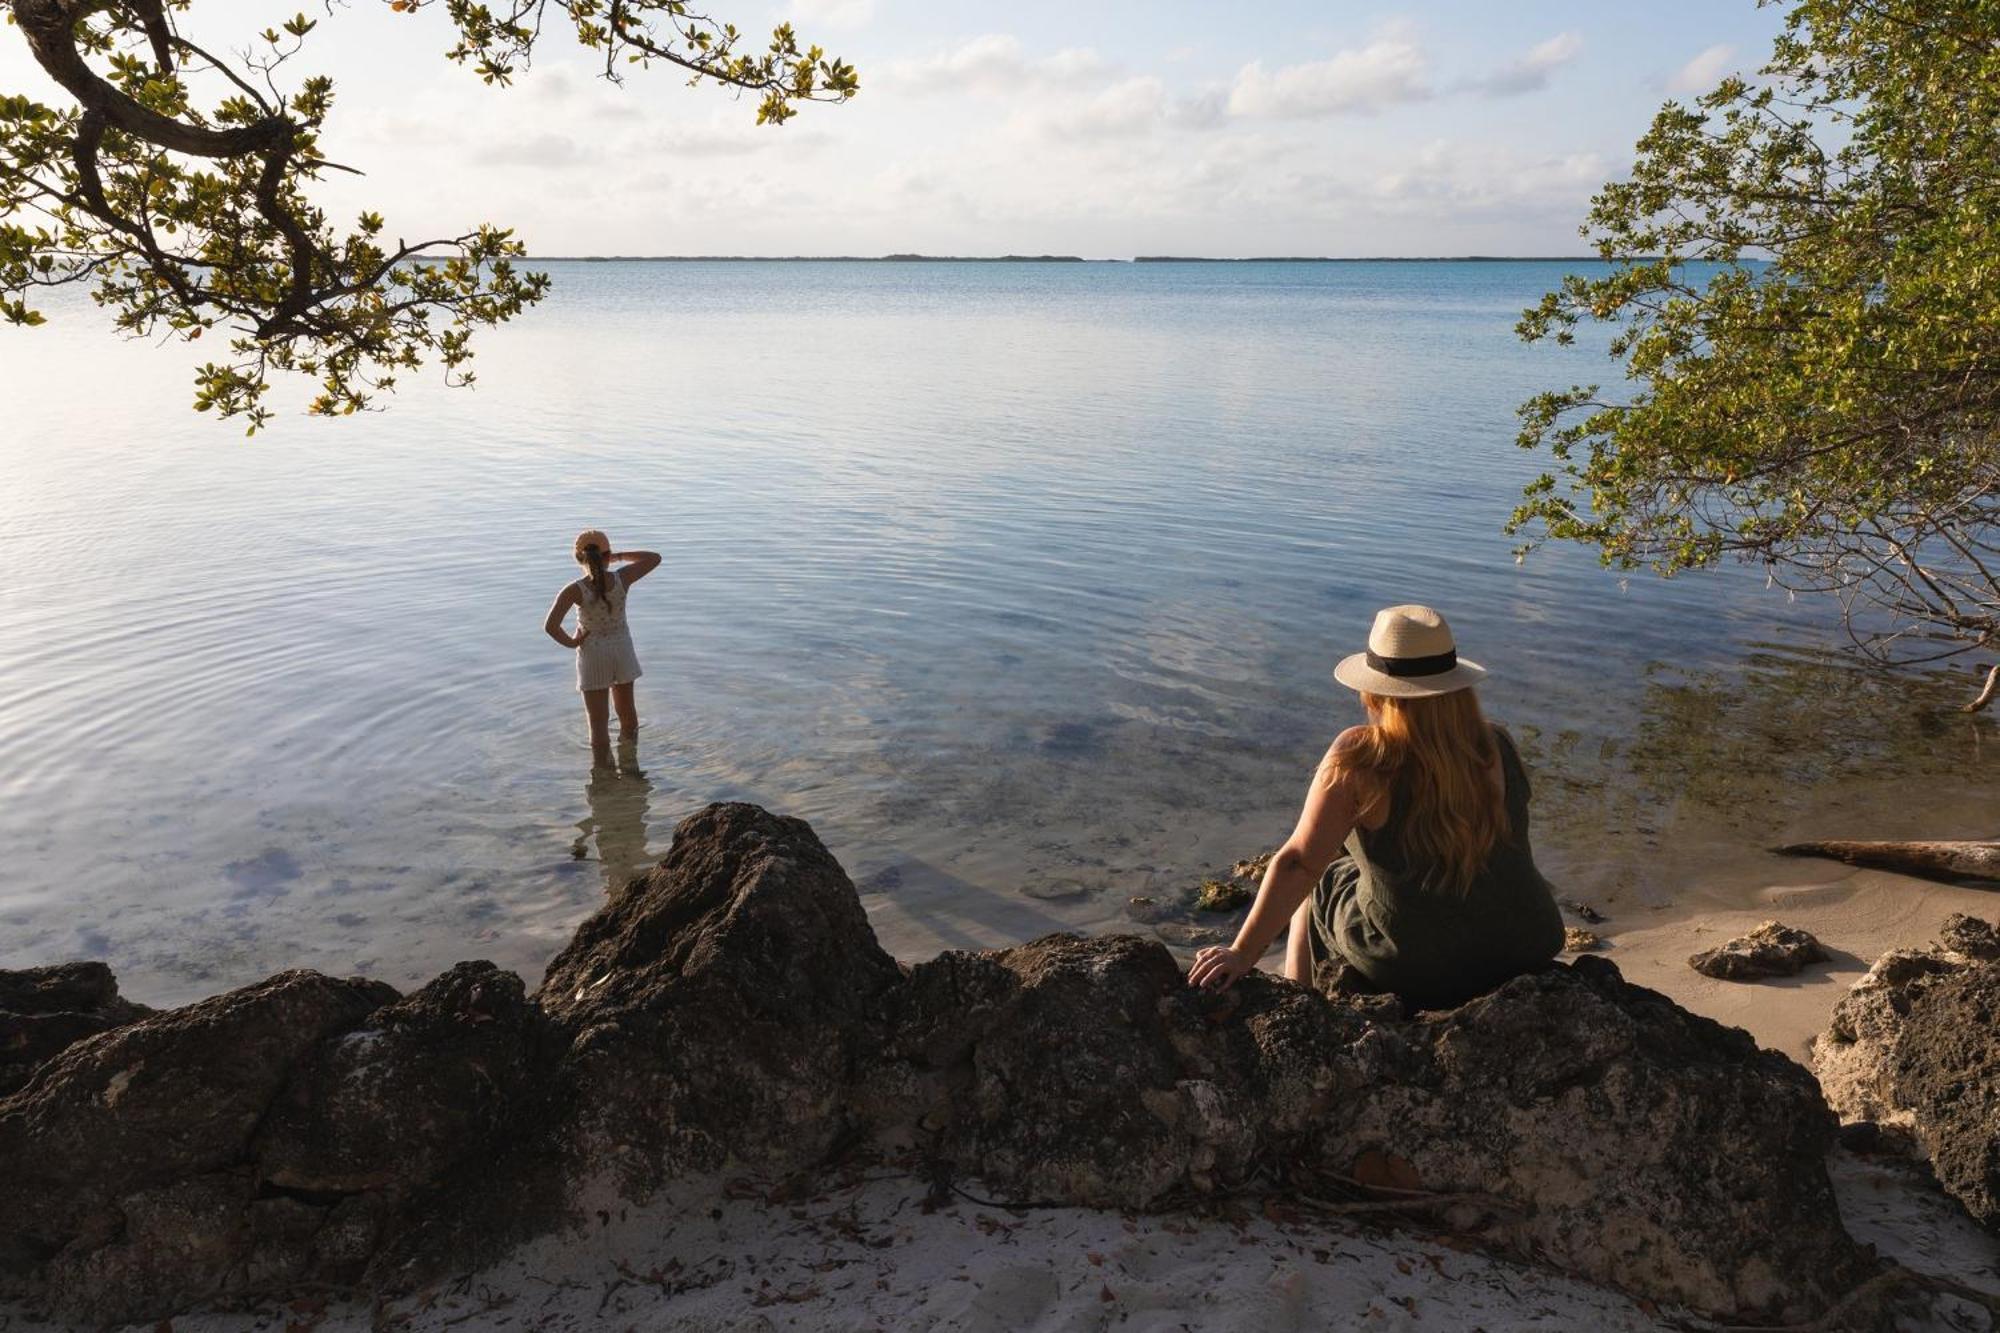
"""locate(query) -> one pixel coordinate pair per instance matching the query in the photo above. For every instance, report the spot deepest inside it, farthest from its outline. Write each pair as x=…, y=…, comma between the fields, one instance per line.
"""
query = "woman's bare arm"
x=1298, y=942
x=1324, y=823
x=553, y=625
x=638, y=565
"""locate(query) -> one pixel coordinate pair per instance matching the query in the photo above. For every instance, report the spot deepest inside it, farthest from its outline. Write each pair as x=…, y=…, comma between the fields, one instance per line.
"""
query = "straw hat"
x=1410, y=655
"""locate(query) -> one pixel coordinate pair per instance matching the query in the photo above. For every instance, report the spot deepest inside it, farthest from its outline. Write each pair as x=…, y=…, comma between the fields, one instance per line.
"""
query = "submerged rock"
x=1771, y=950
x=732, y=1008
x=1252, y=869
x=1224, y=895
x=1914, y=1048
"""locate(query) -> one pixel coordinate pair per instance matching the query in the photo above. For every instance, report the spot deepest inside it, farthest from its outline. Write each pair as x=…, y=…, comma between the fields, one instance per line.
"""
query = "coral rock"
x=420, y=1085
x=719, y=1004
x=45, y=1009
x=1771, y=950
x=1637, y=1144
x=1221, y=895
x=1914, y=1047
x=108, y=1137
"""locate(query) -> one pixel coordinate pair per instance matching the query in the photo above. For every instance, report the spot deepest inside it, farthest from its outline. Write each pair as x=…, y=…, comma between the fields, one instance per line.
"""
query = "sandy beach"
x=1858, y=915
x=867, y=1253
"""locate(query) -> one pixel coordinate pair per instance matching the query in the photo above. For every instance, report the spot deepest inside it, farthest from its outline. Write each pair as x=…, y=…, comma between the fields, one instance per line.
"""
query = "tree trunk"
x=1932, y=860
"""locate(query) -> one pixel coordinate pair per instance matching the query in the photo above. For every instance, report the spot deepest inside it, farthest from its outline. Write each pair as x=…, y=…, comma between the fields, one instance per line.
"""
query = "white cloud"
x=1006, y=142
x=1486, y=181
x=721, y=136
x=545, y=150
x=1703, y=72
x=811, y=15
x=1129, y=107
x=1531, y=72
x=992, y=64
x=1071, y=65
x=1200, y=111
x=1388, y=70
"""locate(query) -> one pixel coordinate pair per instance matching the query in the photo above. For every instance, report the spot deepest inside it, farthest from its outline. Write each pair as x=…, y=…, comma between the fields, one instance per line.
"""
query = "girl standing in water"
x=606, y=663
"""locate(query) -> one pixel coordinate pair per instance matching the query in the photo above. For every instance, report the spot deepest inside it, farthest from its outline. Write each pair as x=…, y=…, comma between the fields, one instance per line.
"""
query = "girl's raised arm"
x=553, y=626
x=638, y=565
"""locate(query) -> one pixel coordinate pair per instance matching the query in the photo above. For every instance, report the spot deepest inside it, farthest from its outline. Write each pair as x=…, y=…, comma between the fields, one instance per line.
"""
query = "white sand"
x=868, y=1256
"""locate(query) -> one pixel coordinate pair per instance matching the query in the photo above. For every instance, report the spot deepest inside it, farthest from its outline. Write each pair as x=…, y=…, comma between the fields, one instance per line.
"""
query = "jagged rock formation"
x=733, y=1008
x=1912, y=1049
x=1773, y=949
x=44, y=1009
x=720, y=1006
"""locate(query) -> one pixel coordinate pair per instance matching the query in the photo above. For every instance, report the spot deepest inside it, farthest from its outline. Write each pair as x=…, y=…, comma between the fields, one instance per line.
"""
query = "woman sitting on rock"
x=1437, y=897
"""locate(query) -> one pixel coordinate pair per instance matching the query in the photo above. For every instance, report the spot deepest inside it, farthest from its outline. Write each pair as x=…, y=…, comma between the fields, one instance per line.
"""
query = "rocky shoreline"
x=1912, y=1057
x=731, y=1010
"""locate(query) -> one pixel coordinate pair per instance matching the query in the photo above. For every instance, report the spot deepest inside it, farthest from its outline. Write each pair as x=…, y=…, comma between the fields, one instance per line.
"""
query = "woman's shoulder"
x=1347, y=749
x=1350, y=742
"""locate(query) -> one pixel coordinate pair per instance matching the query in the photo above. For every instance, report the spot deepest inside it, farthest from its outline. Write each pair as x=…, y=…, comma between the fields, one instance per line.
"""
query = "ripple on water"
x=1031, y=576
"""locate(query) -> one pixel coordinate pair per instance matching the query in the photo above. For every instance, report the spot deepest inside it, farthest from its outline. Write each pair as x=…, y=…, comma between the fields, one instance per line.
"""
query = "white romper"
x=607, y=657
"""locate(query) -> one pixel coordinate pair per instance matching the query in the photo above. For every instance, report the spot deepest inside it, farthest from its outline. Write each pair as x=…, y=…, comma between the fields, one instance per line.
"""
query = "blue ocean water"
x=1022, y=582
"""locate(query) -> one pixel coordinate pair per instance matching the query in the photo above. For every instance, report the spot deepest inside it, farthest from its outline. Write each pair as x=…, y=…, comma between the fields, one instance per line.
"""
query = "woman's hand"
x=576, y=639
x=1218, y=966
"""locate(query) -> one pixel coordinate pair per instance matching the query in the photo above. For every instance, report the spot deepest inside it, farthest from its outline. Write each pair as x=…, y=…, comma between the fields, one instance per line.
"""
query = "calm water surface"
x=1021, y=582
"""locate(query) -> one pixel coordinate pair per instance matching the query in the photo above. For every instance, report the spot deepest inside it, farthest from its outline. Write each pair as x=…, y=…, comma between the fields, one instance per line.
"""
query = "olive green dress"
x=1431, y=944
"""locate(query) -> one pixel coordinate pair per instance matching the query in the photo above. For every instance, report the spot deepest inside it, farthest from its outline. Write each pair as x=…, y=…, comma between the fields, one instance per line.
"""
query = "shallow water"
x=1021, y=582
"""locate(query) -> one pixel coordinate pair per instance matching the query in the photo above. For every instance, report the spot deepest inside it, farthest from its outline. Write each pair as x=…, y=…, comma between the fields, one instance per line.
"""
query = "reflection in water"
x=618, y=795
x=1789, y=744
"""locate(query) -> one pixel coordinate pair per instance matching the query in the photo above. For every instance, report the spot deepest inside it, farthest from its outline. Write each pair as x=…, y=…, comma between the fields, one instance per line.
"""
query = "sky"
x=1105, y=129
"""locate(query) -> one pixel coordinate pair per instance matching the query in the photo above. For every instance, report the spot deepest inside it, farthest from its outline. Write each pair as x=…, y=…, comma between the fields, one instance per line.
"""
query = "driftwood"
x=1989, y=691
x=1931, y=860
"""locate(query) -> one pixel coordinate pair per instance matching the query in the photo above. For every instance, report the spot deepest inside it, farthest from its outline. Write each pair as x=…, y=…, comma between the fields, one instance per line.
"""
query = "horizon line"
x=906, y=258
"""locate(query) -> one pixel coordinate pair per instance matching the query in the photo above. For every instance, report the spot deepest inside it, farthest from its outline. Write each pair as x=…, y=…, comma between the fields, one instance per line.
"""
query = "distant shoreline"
x=1071, y=259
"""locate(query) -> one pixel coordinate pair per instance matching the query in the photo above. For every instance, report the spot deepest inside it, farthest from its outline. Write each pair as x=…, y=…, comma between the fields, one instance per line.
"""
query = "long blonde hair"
x=1436, y=753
